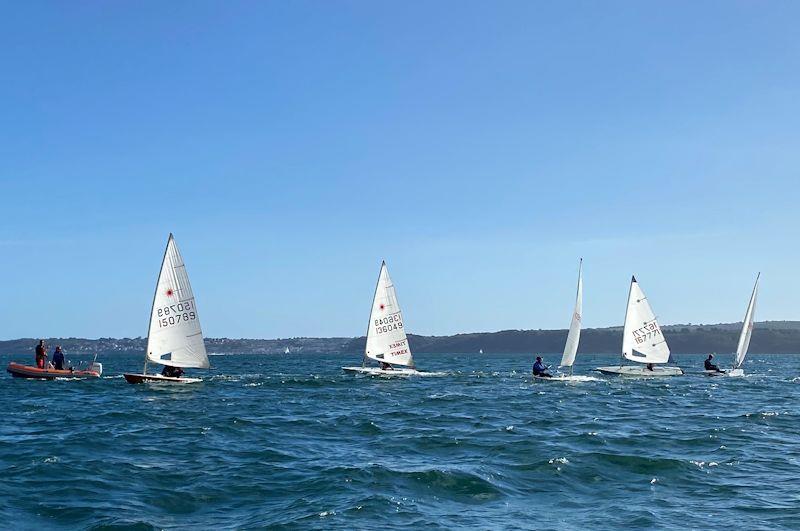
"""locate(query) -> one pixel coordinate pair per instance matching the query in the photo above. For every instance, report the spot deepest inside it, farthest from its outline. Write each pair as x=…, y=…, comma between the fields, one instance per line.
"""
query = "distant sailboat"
x=174, y=337
x=642, y=340
x=386, y=336
x=747, y=331
x=480, y=351
x=287, y=351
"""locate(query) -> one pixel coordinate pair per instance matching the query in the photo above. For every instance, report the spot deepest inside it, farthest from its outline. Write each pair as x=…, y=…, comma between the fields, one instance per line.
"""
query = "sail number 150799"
x=175, y=313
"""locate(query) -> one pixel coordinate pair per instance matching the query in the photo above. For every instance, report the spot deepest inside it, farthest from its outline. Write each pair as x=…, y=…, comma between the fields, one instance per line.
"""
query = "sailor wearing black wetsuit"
x=710, y=366
x=172, y=372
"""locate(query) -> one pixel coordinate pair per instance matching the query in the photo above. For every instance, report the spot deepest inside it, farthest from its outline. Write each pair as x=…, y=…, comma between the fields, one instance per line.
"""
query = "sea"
x=293, y=442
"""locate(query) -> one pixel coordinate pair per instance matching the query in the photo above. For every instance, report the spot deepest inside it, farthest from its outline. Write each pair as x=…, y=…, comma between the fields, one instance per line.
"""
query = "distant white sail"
x=386, y=336
x=642, y=340
x=574, y=336
x=747, y=327
x=175, y=337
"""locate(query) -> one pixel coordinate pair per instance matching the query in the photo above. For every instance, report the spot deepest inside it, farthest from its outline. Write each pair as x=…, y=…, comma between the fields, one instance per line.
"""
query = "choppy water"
x=292, y=441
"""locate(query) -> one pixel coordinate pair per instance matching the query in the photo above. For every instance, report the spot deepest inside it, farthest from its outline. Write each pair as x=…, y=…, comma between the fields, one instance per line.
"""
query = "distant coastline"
x=773, y=337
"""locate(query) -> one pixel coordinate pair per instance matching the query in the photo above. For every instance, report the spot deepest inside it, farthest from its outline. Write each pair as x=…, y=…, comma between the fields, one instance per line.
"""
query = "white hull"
x=735, y=373
x=158, y=379
x=398, y=372
x=568, y=378
x=632, y=371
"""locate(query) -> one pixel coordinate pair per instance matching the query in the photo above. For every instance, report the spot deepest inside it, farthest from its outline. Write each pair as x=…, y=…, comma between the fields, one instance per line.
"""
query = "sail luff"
x=153, y=305
x=625, y=341
x=372, y=310
x=574, y=335
x=747, y=327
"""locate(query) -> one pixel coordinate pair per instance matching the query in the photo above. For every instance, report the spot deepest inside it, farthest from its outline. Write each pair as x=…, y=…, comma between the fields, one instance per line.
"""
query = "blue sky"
x=481, y=148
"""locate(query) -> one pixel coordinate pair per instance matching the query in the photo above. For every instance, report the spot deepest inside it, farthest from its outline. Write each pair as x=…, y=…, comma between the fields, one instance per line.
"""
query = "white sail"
x=642, y=340
x=175, y=337
x=747, y=327
x=574, y=335
x=386, y=336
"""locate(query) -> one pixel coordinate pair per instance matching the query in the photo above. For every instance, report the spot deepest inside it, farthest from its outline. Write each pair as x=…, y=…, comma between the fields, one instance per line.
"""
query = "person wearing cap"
x=710, y=366
x=539, y=369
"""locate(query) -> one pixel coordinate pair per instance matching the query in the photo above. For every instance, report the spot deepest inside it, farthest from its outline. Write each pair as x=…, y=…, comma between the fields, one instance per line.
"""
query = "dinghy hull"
x=375, y=371
x=568, y=378
x=18, y=370
x=630, y=371
x=158, y=379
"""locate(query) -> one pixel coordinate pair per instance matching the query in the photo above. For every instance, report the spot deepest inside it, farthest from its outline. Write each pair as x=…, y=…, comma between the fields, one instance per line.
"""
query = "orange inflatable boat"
x=19, y=370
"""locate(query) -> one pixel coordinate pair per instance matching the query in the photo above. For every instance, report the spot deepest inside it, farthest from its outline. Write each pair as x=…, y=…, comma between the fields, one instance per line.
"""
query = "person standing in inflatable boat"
x=41, y=354
x=58, y=358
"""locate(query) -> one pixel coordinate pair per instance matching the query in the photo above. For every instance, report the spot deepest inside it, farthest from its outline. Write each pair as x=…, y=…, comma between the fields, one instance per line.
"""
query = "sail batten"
x=386, y=336
x=174, y=336
x=642, y=340
x=574, y=335
x=747, y=327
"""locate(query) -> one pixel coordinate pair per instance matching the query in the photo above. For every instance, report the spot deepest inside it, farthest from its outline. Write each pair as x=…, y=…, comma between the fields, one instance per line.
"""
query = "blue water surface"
x=292, y=441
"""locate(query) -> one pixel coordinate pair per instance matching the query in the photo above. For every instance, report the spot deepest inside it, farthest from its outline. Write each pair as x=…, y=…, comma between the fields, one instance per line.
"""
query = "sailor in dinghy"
x=540, y=369
x=710, y=368
x=386, y=336
x=174, y=337
x=642, y=341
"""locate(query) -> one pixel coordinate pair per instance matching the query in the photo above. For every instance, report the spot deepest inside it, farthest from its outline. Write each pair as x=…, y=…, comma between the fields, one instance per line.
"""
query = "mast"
x=744, y=337
x=369, y=322
x=625, y=322
x=155, y=294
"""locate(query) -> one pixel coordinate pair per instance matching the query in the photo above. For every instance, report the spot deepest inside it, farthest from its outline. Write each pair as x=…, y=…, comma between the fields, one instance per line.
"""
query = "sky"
x=480, y=148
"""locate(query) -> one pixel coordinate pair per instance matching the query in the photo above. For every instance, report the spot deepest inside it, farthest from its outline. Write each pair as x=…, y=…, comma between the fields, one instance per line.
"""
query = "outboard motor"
x=96, y=366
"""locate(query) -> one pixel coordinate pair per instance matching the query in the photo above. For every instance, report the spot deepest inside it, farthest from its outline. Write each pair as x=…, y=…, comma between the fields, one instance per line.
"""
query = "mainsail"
x=642, y=340
x=386, y=336
x=574, y=336
x=175, y=337
x=747, y=327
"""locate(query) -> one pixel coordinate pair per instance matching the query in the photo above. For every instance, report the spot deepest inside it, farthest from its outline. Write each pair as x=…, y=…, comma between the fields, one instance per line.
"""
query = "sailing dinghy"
x=642, y=341
x=573, y=338
x=744, y=337
x=174, y=337
x=386, y=336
